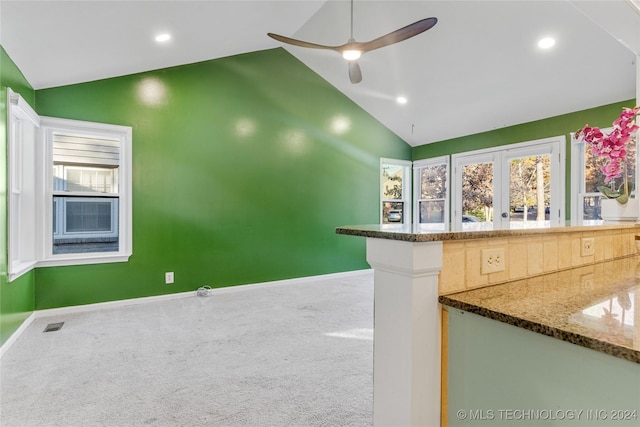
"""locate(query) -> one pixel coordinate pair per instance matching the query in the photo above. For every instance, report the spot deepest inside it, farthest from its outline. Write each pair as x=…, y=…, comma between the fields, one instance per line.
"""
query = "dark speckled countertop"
x=596, y=306
x=411, y=233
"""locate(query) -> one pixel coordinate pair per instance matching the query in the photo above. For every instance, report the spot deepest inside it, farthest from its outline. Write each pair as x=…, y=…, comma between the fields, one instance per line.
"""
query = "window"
x=23, y=124
x=431, y=186
x=70, y=190
x=395, y=192
x=87, y=197
x=85, y=194
x=586, y=177
x=509, y=187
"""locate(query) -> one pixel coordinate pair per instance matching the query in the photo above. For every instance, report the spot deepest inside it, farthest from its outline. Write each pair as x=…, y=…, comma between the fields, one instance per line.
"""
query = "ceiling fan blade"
x=301, y=43
x=355, y=74
x=399, y=35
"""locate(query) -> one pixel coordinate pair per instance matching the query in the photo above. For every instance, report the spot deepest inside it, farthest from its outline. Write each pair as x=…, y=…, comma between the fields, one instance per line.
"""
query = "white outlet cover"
x=587, y=246
x=492, y=261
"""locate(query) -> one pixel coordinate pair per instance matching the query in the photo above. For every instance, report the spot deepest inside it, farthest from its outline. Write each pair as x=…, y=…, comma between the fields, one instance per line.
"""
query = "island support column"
x=406, y=356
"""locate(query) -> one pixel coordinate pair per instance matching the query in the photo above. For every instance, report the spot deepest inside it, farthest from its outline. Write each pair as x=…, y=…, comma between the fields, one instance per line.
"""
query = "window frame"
x=406, y=201
x=61, y=231
x=418, y=165
x=30, y=189
x=555, y=146
x=51, y=125
x=578, y=159
x=21, y=186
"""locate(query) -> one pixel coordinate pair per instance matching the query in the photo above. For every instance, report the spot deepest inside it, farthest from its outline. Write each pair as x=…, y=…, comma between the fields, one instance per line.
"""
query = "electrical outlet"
x=493, y=260
x=587, y=246
x=168, y=277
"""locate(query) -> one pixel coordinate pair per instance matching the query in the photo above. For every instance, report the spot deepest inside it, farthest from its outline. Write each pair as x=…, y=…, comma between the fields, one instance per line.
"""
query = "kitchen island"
x=412, y=269
x=561, y=348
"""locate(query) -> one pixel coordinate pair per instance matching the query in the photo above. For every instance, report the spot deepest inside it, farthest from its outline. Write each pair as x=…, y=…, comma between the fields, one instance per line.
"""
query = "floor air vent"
x=52, y=327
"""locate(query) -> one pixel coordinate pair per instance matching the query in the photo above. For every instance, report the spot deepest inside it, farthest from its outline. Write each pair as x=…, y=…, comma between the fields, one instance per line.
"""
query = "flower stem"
x=626, y=180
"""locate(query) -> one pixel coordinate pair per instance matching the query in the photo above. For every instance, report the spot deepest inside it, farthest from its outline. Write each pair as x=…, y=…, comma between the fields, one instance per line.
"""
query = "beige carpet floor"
x=292, y=354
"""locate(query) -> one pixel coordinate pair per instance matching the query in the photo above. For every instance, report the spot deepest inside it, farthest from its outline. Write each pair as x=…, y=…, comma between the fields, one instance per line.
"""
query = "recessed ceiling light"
x=161, y=38
x=401, y=100
x=546, y=43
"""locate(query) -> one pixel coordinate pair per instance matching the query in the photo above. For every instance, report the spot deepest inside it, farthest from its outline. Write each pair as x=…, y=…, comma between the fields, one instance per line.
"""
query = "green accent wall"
x=16, y=297
x=238, y=176
x=554, y=126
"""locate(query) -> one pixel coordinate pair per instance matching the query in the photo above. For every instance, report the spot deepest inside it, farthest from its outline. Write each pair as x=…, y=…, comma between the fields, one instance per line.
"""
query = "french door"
x=509, y=187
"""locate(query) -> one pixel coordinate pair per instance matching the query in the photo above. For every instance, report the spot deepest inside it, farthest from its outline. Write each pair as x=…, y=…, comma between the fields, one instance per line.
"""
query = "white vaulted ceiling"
x=478, y=69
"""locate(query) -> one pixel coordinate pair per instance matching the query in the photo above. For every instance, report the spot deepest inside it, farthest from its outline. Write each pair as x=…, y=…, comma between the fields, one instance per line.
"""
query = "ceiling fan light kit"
x=351, y=55
x=352, y=50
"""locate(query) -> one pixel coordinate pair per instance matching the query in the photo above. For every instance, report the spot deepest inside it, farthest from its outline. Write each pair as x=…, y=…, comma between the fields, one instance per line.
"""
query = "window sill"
x=18, y=269
x=64, y=260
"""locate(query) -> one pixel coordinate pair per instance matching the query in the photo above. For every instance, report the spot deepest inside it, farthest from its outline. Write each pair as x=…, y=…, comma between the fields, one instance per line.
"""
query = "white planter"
x=611, y=210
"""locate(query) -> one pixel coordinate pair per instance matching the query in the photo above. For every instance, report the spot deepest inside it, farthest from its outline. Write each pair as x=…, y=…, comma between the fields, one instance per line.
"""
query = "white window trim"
x=459, y=161
x=417, y=188
x=577, y=178
x=30, y=183
x=496, y=154
x=49, y=125
x=18, y=109
x=407, y=216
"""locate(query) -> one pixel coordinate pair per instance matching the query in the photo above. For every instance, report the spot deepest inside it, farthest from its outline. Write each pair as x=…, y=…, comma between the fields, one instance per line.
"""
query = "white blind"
x=71, y=149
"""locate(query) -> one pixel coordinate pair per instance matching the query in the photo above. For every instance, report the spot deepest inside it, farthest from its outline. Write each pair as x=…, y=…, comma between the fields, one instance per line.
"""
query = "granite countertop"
x=411, y=233
x=596, y=306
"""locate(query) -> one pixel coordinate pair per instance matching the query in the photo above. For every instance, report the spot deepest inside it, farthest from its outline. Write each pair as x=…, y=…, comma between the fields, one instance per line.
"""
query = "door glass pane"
x=529, y=192
x=477, y=196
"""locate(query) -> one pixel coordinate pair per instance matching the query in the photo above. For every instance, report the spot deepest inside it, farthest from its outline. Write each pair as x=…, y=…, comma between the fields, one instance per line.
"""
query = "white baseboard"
x=14, y=337
x=109, y=304
x=214, y=291
x=145, y=300
x=286, y=282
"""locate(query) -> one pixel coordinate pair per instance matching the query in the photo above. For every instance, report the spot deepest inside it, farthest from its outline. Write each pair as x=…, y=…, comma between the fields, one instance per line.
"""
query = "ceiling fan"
x=352, y=50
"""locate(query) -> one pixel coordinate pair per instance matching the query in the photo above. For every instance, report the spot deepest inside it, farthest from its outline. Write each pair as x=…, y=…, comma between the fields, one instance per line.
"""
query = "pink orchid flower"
x=611, y=148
